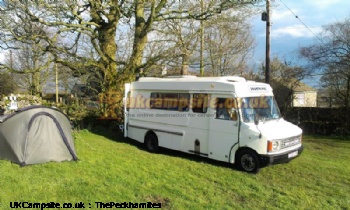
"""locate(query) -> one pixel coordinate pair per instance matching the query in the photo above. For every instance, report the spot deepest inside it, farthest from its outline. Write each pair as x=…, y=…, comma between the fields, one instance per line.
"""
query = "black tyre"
x=248, y=161
x=151, y=142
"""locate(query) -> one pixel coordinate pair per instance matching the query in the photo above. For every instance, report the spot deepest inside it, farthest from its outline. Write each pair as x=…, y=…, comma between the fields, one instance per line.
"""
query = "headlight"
x=276, y=145
x=273, y=145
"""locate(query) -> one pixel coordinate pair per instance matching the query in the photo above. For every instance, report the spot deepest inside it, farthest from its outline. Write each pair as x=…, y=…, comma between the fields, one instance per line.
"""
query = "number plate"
x=293, y=154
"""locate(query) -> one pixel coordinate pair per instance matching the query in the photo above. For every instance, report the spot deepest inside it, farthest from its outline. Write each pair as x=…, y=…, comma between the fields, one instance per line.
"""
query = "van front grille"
x=289, y=142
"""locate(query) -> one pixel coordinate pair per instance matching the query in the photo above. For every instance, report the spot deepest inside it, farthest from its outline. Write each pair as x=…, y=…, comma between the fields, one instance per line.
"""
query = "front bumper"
x=281, y=158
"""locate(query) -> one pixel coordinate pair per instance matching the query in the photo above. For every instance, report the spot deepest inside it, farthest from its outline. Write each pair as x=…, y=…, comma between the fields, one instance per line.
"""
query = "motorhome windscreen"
x=261, y=108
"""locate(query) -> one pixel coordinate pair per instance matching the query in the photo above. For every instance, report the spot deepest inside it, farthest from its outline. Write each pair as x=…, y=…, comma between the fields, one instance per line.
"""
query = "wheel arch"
x=242, y=149
x=151, y=142
x=148, y=133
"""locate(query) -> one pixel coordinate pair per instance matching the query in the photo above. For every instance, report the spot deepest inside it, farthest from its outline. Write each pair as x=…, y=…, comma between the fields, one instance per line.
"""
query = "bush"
x=91, y=118
x=320, y=121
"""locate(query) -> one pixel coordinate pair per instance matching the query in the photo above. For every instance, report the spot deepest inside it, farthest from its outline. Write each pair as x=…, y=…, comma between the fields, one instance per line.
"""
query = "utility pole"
x=201, y=32
x=56, y=71
x=268, y=25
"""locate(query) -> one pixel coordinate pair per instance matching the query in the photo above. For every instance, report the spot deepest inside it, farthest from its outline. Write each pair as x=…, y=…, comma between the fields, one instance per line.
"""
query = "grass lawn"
x=114, y=169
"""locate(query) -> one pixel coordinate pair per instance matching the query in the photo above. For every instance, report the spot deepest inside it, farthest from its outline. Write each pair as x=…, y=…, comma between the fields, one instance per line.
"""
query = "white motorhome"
x=223, y=118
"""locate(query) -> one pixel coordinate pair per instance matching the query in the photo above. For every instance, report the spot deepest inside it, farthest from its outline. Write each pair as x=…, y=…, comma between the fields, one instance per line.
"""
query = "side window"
x=154, y=99
x=199, y=103
x=226, y=109
x=170, y=101
x=183, y=102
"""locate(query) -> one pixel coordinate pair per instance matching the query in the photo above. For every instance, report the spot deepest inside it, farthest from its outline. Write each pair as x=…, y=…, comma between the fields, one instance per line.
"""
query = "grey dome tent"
x=36, y=134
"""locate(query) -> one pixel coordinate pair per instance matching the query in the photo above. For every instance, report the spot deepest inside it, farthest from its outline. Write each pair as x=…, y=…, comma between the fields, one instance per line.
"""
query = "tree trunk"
x=140, y=40
x=184, y=64
x=107, y=35
x=107, y=49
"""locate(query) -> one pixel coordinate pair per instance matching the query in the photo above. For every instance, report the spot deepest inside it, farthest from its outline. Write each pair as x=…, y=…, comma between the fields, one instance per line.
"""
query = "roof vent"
x=234, y=79
x=182, y=76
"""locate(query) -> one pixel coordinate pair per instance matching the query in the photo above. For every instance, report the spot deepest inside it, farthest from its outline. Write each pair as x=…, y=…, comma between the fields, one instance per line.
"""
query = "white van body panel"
x=205, y=134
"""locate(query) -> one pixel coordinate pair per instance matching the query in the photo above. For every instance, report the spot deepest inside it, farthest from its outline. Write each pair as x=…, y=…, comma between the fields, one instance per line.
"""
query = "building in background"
x=304, y=96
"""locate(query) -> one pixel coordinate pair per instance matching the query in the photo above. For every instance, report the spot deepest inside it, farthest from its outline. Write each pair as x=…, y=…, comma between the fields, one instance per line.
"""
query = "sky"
x=288, y=33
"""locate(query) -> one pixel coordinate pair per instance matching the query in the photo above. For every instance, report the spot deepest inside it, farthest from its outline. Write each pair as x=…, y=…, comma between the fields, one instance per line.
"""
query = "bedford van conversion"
x=228, y=119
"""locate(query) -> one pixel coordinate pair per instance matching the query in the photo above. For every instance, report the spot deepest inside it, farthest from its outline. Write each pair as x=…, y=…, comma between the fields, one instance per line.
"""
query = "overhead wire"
x=318, y=38
x=297, y=17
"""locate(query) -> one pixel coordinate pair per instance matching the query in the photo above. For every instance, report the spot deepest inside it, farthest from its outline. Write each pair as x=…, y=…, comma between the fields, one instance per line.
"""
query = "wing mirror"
x=256, y=119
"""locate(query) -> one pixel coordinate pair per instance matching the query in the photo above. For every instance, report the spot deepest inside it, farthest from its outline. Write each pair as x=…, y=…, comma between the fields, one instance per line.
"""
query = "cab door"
x=223, y=127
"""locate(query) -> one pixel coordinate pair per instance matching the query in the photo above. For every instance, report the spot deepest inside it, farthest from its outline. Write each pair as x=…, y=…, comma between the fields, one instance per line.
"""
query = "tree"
x=72, y=28
x=331, y=56
x=336, y=81
x=180, y=38
x=24, y=55
x=7, y=84
x=228, y=43
x=29, y=68
x=285, y=78
x=185, y=42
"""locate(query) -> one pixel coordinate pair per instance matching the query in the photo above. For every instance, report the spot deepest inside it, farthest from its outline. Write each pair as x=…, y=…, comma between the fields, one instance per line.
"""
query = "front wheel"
x=248, y=161
x=151, y=142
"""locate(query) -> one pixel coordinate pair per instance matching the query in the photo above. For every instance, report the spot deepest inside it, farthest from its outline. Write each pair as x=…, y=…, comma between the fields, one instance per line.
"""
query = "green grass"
x=114, y=169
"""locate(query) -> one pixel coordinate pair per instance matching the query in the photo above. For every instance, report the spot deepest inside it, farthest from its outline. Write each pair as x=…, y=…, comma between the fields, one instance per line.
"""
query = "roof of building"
x=302, y=87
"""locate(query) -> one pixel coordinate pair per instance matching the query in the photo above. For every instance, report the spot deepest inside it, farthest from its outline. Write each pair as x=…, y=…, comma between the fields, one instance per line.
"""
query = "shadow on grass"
x=193, y=157
x=118, y=136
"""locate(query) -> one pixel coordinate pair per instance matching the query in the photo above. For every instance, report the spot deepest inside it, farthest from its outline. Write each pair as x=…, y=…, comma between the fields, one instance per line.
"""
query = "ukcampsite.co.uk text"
x=170, y=115
x=82, y=205
x=140, y=102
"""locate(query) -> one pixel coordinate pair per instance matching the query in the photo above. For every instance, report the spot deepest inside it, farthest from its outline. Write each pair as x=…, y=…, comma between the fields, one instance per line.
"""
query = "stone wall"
x=22, y=100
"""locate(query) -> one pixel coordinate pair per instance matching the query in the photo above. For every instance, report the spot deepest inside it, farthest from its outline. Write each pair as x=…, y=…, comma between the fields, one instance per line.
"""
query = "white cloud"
x=277, y=15
x=288, y=33
x=325, y=4
x=296, y=31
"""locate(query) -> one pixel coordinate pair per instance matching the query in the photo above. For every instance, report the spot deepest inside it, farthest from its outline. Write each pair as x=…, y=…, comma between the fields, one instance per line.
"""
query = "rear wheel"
x=248, y=161
x=151, y=142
